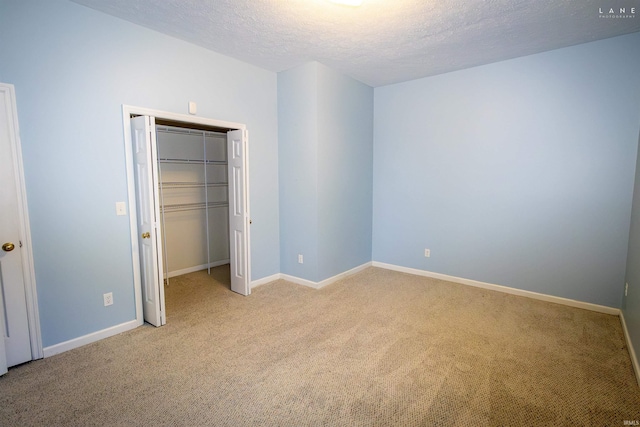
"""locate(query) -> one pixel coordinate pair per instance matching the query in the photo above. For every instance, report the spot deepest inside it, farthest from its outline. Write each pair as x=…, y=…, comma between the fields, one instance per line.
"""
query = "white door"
x=143, y=136
x=3, y=354
x=15, y=348
x=238, y=211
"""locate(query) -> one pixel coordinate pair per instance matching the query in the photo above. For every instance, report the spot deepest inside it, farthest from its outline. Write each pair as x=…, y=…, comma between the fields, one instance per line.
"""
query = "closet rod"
x=177, y=184
x=192, y=161
x=182, y=131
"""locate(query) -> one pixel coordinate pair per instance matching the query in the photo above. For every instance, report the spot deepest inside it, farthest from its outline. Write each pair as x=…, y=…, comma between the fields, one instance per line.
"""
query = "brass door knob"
x=146, y=235
x=8, y=247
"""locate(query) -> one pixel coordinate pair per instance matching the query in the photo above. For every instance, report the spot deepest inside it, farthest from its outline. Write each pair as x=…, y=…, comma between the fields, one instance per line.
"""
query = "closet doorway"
x=194, y=168
x=194, y=198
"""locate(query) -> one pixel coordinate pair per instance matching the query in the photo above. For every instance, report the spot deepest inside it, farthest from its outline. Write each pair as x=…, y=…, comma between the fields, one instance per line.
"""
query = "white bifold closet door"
x=143, y=133
x=238, y=211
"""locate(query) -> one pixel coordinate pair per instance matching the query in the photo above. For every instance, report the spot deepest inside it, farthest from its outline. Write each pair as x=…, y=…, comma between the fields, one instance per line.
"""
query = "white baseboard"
x=500, y=288
x=196, y=268
x=299, y=281
x=265, y=280
x=325, y=282
x=632, y=352
x=88, y=339
x=341, y=276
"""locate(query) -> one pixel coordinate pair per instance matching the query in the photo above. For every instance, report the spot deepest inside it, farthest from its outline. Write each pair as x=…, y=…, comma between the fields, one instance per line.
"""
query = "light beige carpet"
x=380, y=348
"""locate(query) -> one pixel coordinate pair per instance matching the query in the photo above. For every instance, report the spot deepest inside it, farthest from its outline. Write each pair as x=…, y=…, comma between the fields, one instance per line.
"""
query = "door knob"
x=146, y=235
x=8, y=247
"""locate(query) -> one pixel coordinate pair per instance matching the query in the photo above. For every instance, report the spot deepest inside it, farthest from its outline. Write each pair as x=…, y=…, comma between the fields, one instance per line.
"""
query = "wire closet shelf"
x=204, y=184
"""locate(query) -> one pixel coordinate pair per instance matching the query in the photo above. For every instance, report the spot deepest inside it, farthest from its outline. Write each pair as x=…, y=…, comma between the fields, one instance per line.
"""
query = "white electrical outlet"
x=300, y=259
x=108, y=299
x=626, y=289
x=427, y=253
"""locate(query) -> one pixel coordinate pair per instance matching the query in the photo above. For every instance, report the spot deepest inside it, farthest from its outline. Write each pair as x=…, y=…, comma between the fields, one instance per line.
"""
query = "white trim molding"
x=632, y=352
x=300, y=281
x=309, y=283
x=266, y=280
x=500, y=288
x=325, y=282
x=343, y=275
x=90, y=338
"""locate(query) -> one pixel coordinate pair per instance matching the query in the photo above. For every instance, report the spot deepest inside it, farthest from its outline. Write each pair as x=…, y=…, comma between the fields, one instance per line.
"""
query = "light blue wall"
x=326, y=145
x=298, y=161
x=631, y=303
x=518, y=173
x=345, y=172
x=73, y=68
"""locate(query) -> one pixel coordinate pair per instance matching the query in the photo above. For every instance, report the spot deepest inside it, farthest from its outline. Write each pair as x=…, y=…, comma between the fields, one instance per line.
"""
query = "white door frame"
x=28, y=269
x=127, y=112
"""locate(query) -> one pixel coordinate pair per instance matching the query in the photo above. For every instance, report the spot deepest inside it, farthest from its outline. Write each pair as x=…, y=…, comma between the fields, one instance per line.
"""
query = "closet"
x=194, y=203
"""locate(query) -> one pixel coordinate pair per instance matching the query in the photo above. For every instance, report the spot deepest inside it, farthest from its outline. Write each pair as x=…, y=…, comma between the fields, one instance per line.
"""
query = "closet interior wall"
x=192, y=169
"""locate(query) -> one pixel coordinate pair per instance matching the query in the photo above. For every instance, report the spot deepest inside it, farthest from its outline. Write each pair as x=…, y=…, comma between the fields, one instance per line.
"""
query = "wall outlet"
x=300, y=259
x=108, y=299
x=626, y=289
x=427, y=253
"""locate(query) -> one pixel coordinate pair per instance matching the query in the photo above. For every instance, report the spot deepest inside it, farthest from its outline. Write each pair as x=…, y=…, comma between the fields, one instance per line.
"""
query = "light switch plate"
x=121, y=208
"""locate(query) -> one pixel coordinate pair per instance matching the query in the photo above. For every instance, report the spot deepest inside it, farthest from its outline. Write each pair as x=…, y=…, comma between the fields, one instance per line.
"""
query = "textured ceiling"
x=382, y=41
